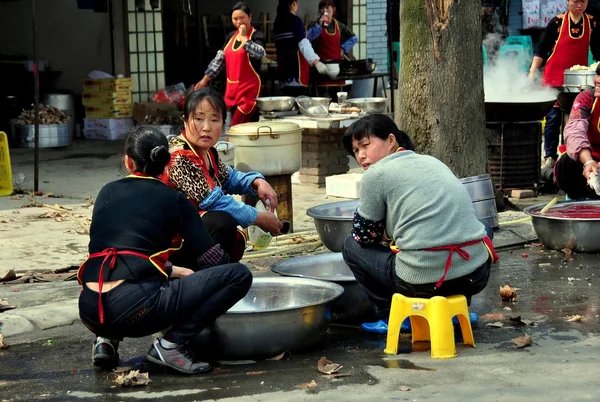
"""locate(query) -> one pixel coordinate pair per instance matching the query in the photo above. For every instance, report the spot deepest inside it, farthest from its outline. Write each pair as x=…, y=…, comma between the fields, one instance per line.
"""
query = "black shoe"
x=104, y=353
x=178, y=358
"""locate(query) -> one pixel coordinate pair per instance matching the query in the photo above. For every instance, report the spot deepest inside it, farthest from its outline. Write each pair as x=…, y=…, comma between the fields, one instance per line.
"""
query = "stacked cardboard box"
x=107, y=98
x=108, y=108
x=106, y=129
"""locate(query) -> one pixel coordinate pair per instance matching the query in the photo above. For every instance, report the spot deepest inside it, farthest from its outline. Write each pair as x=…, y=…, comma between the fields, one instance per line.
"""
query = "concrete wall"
x=376, y=33
x=73, y=41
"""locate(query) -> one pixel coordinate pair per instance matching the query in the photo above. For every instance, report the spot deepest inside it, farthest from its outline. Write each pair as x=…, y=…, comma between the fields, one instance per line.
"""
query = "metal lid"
x=263, y=128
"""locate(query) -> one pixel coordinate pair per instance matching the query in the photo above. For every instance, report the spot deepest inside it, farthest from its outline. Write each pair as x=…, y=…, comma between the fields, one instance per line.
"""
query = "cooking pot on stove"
x=580, y=78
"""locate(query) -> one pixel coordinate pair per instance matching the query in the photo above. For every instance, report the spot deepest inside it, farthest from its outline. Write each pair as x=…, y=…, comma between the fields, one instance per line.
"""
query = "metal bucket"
x=169, y=129
x=64, y=103
x=481, y=190
x=51, y=135
x=226, y=152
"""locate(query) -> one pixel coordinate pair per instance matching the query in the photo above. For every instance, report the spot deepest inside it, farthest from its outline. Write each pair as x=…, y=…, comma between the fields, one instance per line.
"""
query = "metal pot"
x=269, y=147
x=275, y=103
x=226, y=152
x=481, y=191
x=512, y=112
x=580, y=78
x=333, y=222
x=579, y=235
x=278, y=314
x=353, y=303
x=66, y=104
x=369, y=105
x=50, y=135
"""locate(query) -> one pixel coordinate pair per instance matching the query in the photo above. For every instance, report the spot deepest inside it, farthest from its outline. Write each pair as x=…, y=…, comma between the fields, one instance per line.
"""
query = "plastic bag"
x=174, y=94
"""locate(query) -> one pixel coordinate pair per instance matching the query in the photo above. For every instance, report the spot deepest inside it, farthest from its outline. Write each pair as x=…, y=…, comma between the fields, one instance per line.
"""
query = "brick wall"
x=376, y=33
x=322, y=155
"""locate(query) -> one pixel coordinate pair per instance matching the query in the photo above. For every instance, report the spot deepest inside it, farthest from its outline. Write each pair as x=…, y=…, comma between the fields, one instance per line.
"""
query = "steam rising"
x=506, y=80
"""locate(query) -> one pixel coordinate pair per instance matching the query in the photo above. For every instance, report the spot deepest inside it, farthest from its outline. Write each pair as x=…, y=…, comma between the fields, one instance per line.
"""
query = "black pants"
x=222, y=227
x=569, y=177
x=188, y=304
x=375, y=269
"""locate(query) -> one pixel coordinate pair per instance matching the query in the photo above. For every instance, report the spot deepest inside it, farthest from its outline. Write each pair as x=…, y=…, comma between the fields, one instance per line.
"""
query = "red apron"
x=594, y=130
x=328, y=48
x=567, y=52
x=110, y=255
x=243, y=82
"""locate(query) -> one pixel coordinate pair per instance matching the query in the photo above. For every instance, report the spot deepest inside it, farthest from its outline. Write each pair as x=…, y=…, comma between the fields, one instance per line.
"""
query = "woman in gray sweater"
x=415, y=231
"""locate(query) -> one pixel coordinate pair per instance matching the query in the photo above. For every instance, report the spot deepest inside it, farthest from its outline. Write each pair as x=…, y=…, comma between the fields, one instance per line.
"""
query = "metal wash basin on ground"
x=352, y=304
x=278, y=314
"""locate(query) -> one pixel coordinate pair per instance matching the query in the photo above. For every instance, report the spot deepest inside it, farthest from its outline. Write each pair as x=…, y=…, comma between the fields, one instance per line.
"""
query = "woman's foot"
x=104, y=353
x=177, y=357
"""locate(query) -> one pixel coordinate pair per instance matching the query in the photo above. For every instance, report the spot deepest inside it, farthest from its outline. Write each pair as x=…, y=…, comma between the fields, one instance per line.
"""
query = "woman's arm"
x=255, y=47
x=240, y=183
x=347, y=38
x=188, y=178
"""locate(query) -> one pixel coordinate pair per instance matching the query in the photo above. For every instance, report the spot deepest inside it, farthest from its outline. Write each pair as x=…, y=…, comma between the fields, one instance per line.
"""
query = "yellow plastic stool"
x=430, y=319
x=6, y=187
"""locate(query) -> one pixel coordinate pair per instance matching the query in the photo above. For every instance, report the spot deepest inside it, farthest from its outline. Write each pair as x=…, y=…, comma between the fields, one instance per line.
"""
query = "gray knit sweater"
x=423, y=205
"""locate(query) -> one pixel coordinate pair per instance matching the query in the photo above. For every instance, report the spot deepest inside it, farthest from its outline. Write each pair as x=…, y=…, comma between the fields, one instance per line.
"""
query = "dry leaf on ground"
x=3, y=345
x=492, y=317
x=5, y=306
x=133, y=378
x=523, y=341
x=284, y=355
x=307, y=385
x=405, y=388
x=8, y=275
x=508, y=293
x=497, y=324
x=33, y=204
x=121, y=370
x=90, y=200
x=575, y=318
x=337, y=375
x=326, y=366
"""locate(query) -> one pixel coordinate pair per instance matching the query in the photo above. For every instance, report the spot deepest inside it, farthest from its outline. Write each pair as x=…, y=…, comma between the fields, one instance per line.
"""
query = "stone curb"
x=46, y=316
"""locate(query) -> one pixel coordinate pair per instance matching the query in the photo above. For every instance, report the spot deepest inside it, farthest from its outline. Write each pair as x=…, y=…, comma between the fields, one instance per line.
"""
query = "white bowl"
x=333, y=70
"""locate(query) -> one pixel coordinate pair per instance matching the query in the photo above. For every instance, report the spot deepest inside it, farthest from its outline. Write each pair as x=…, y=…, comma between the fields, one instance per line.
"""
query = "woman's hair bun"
x=160, y=154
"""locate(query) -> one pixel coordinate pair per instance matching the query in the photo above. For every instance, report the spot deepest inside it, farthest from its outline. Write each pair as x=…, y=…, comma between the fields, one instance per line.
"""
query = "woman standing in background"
x=295, y=54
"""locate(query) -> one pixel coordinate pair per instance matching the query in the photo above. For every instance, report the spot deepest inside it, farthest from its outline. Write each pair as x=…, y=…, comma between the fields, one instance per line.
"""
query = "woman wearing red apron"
x=330, y=38
x=295, y=54
x=579, y=163
x=566, y=43
x=240, y=58
x=415, y=231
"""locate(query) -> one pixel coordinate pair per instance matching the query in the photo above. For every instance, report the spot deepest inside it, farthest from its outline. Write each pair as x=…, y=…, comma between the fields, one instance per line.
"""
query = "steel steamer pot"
x=583, y=79
x=268, y=147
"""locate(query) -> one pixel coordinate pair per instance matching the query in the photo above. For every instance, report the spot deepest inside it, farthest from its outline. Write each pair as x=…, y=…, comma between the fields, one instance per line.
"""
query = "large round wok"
x=512, y=112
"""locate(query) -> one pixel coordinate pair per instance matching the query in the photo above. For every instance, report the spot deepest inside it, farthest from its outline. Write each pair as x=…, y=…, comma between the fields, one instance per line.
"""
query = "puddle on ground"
x=404, y=364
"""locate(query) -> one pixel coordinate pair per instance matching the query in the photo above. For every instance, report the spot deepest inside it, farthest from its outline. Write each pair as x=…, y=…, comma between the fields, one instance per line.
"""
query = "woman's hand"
x=266, y=192
x=268, y=222
x=242, y=32
x=589, y=167
x=202, y=83
x=180, y=272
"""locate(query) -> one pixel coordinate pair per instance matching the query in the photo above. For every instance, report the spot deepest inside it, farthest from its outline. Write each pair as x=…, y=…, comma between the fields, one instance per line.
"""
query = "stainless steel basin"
x=275, y=103
x=578, y=234
x=333, y=222
x=353, y=303
x=278, y=314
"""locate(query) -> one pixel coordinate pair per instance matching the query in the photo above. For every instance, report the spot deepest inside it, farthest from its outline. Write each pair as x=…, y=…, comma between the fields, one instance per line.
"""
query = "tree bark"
x=440, y=91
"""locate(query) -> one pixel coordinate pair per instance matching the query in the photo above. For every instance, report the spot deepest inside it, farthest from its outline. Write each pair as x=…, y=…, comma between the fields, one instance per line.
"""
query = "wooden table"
x=350, y=77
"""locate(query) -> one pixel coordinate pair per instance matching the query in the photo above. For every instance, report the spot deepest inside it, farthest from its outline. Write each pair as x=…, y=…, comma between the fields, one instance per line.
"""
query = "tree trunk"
x=440, y=91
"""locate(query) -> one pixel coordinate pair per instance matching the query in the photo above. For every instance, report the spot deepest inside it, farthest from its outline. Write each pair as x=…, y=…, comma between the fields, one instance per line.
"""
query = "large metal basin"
x=278, y=314
x=353, y=303
x=580, y=235
x=369, y=105
x=275, y=103
x=333, y=222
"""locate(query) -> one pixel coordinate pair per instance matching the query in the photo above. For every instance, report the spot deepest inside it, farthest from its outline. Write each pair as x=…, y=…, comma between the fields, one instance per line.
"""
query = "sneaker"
x=178, y=358
x=548, y=163
x=104, y=353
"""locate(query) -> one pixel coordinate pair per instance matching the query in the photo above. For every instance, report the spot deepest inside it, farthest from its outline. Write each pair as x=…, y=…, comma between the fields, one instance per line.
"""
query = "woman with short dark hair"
x=415, y=230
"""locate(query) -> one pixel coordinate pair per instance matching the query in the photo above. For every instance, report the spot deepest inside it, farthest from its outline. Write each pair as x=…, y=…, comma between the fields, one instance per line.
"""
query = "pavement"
x=44, y=233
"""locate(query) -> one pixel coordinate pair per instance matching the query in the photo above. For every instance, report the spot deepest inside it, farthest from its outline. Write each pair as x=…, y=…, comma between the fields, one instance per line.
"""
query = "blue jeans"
x=374, y=268
x=552, y=132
